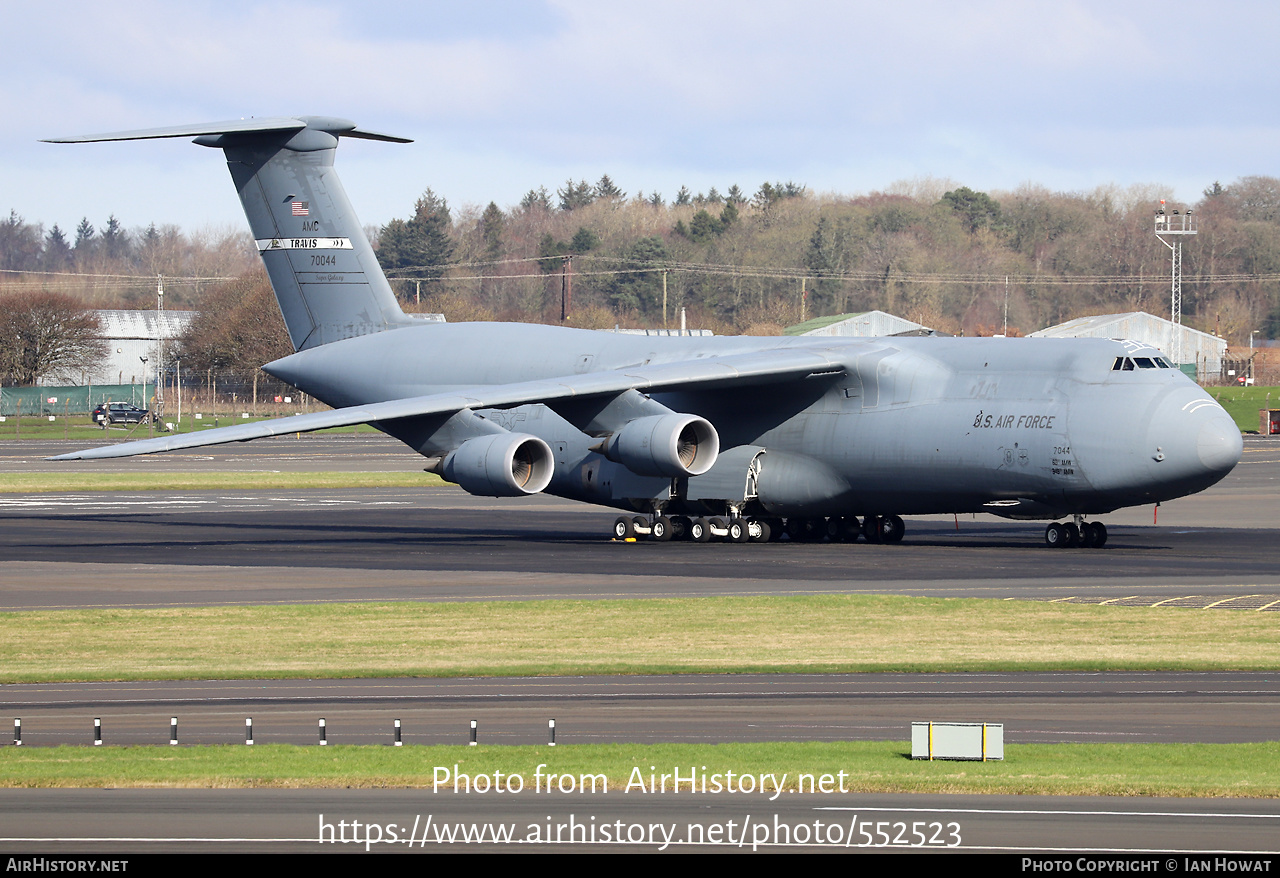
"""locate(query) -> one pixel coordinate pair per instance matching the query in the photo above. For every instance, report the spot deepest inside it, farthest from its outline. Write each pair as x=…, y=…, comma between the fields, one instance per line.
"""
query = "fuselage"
x=1028, y=428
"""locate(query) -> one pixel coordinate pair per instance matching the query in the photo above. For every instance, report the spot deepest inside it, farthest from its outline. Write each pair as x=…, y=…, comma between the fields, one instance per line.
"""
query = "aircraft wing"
x=701, y=373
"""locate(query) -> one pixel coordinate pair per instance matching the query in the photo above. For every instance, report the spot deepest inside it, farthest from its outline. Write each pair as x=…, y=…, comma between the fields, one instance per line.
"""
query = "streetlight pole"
x=146, y=405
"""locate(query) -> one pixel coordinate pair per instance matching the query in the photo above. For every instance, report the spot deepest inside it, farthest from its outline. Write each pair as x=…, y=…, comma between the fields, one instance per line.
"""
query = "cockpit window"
x=1128, y=365
x=1163, y=363
x=1144, y=362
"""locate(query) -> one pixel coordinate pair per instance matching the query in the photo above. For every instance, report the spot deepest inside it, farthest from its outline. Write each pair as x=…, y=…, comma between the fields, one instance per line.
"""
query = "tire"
x=700, y=530
x=1055, y=536
x=1088, y=535
x=737, y=531
x=765, y=532
x=1100, y=535
x=717, y=524
x=1073, y=535
x=662, y=529
x=622, y=528
x=892, y=528
x=871, y=529
x=680, y=525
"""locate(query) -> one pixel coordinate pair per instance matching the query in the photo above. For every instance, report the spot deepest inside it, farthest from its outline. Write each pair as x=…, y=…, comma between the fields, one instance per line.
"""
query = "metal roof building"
x=869, y=324
x=1204, y=350
x=130, y=336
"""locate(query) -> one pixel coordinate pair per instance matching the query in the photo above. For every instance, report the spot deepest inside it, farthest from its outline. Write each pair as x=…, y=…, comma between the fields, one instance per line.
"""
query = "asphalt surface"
x=199, y=548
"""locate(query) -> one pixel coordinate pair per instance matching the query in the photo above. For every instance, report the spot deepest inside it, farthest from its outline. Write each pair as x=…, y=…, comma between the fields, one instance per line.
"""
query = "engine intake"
x=673, y=446
x=501, y=465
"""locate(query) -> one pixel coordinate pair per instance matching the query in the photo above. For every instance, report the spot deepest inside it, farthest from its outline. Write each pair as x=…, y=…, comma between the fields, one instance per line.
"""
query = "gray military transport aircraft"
x=733, y=438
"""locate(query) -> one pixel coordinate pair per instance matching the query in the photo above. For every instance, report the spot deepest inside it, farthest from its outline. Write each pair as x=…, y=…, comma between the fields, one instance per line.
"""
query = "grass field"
x=766, y=634
x=1204, y=770
x=1243, y=403
x=81, y=428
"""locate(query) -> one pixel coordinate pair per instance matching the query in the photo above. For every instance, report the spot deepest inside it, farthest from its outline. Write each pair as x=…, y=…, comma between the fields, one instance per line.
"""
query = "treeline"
x=927, y=250
x=114, y=267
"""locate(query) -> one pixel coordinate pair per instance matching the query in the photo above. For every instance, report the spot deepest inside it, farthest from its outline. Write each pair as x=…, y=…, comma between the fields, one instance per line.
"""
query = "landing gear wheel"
x=759, y=530
x=1087, y=535
x=700, y=530
x=662, y=529
x=892, y=528
x=812, y=530
x=1055, y=536
x=622, y=528
x=849, y=529
x=680, y=525
x=1099, y=535
x=871, y=529
x=776, y=528
x=1093, y=535
x=1073, y=535
x=738, y=532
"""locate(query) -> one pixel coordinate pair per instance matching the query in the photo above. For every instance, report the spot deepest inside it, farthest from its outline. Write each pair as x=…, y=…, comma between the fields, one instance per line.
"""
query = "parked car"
x=120, y=413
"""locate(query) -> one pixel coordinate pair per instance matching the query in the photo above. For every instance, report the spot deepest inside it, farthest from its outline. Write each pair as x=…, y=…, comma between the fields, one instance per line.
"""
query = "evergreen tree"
x=422, y=246
x=115, y=240
x=492, y=225
x=640, y=290
x=57, y=252
x=575, y=195
x=977, y=210
x=682, y=197
x=584, y=241
x=703, y=227
x=536, y=199
x=607, y=191
x=85, y=233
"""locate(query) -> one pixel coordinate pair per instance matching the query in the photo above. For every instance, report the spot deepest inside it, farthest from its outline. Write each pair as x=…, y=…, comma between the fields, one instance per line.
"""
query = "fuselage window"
x=1144, y=362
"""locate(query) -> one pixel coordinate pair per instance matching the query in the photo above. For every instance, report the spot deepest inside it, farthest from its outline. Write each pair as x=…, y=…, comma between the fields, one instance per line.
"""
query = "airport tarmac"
x=94, y=549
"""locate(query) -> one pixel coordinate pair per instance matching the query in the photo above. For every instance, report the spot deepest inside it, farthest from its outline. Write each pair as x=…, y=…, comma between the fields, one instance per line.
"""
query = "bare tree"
x=44, y=333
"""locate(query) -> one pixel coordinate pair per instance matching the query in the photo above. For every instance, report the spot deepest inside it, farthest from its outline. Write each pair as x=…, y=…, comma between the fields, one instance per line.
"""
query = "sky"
x=501, y=97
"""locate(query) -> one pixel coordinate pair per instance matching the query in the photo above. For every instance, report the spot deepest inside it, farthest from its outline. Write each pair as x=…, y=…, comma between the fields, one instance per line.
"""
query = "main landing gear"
x=1085, y=534
x=735, y=529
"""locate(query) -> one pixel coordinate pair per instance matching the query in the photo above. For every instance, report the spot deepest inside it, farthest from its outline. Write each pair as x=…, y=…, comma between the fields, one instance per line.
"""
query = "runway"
x=136, y=549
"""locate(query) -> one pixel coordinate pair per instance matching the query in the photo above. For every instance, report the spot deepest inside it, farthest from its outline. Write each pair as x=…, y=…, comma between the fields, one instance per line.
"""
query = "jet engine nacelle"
x=673, y=446
x=501, y=465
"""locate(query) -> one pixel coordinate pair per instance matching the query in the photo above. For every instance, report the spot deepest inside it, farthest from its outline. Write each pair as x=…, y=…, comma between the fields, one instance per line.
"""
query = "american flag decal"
x=300, y=208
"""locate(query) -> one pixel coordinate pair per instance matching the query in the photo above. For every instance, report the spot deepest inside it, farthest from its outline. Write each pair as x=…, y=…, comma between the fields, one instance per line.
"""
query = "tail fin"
x=326, y=279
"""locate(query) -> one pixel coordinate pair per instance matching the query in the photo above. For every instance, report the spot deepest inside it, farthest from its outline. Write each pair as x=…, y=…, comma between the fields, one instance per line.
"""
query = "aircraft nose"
x=1219, y=444
x=1196, y=443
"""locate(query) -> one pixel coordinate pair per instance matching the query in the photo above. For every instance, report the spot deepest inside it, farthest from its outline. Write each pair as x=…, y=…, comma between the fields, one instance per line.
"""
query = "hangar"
x=1200, y=350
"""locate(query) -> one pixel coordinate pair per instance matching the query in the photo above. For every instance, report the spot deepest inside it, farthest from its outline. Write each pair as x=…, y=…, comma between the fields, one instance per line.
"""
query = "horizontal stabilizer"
x=741, y=369
x=336, y=127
